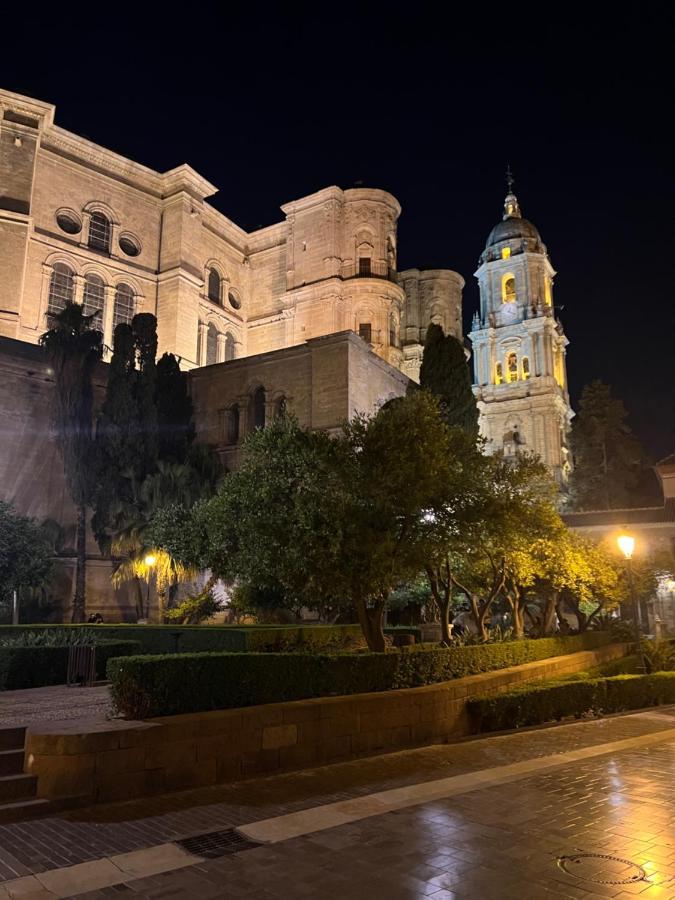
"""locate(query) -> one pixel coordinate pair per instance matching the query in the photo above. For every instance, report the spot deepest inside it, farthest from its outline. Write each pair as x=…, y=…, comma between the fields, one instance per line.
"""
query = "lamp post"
x=626, y=544
x=149, y=561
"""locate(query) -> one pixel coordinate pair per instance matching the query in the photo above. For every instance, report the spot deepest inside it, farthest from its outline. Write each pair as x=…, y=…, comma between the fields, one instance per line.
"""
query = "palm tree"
x=74, y=349
x=172, y=483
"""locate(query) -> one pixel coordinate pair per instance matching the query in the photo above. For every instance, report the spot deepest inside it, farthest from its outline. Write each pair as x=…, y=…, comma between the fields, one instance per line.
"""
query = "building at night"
x=520, y=375
x=81, y=223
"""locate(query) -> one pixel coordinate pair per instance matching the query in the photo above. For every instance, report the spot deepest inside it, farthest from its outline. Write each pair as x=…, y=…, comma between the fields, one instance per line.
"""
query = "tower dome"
x=513, y=227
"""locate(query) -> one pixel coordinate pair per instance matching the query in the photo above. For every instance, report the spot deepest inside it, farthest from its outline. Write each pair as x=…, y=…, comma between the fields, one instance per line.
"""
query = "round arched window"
x=234, y=301
x=69, y=222
x=129, y=245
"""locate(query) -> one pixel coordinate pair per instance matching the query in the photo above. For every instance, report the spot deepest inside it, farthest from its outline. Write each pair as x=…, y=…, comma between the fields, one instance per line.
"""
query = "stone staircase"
x=18, y=796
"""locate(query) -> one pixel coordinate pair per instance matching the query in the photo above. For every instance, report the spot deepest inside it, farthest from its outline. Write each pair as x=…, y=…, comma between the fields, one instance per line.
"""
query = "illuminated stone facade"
x=520, y=375
x=79, y=222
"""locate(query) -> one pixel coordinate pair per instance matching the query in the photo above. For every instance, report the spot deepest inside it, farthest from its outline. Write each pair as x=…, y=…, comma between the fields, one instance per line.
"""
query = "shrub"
x=168, y=685
x=659, y=656
x=551, y=701
x=206, y=638
x=28, y=666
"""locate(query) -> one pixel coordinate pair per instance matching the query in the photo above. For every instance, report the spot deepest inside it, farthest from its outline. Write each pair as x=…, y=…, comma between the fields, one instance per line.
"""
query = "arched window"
x=392, y=331
x=61, y=288
x=508, y=289
x=499, y=374
x=99, y=232
x=230, y=347
x=512, y=367
x=93, y=299
x=125, y=302
x=232, y=426
x=258, y=408
x=364, y=266
x=506, y=252
x=211, y=345
x=214, y=286
x=547, y=291
x=526, y=368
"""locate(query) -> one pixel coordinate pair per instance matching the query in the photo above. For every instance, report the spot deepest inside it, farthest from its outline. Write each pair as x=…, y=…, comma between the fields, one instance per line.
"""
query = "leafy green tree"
x=327, y=520
x=608, y=459
x=445, y=372
x=25, y=553
x=74, y=350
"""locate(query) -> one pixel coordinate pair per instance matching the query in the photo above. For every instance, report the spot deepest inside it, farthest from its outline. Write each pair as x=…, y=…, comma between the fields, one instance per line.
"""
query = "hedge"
x=208, y=638
x=171, y=684
x=29, y=667
x=551, y=701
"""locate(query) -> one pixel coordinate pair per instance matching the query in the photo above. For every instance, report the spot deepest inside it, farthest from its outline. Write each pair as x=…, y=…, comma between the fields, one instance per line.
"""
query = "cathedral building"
x=81, y=223
x=310, y=314
x=520, y=375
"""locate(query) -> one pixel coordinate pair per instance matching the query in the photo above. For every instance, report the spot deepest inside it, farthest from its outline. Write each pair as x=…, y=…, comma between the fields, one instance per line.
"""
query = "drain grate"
x=216, y=843
x=601, y=868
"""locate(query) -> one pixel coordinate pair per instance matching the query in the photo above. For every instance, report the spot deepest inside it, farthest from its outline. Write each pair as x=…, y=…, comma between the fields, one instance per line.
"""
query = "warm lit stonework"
x=519, y=345
x=79, y=222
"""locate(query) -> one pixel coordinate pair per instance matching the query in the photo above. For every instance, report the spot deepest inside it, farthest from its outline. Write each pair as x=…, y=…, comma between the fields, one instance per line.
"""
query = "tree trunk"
x=371, y=620
x=517, y=618
x=79, y=600
x=548, y=613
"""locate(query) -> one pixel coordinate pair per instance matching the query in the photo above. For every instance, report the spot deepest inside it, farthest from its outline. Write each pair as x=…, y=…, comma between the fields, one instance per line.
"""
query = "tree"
x=25, y=553
x=327, y=520
x=175, y=424
x=74, y=350
x=608, y=459
x=445, y=372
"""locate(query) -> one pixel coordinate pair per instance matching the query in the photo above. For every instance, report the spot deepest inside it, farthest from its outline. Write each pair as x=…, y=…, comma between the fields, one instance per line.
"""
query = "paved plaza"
x=580, y=810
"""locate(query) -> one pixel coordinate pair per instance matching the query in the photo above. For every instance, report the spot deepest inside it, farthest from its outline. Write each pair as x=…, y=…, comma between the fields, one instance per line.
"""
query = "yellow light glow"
x=626, y=544
x=508, y=288
x=506, y=252
x=547, y=291
x=150, y=560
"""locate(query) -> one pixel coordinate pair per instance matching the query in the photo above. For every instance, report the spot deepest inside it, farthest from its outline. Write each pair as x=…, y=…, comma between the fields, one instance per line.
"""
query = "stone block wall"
x=124, y=760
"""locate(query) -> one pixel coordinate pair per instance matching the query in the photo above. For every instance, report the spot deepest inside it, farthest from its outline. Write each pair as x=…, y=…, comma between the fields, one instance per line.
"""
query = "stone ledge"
x=125, y=760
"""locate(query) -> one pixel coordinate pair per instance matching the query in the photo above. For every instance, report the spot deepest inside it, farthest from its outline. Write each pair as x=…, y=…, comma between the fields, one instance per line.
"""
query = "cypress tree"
x=116, y=438
x=144, y=328
x=445, y=372
x=174, y=410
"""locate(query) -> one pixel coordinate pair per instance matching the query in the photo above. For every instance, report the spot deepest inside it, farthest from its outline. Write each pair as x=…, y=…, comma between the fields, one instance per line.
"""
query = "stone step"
x=12, y=738
x=17, y=787
x=23, y=809
x=11, y=762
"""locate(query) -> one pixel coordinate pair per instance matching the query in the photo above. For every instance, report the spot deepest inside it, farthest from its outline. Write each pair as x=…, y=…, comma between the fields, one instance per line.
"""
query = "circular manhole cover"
x=601, y=868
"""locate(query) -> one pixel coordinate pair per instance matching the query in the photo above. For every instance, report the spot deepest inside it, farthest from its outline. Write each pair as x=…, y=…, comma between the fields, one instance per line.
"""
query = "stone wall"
x=123, y=760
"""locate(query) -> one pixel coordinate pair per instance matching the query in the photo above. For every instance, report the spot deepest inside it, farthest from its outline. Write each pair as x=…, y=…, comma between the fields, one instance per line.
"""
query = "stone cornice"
x=27, y=106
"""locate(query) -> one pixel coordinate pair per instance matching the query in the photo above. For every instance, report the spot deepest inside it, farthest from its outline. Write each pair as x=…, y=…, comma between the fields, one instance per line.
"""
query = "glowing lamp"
x=626, y=545
x=150, y=560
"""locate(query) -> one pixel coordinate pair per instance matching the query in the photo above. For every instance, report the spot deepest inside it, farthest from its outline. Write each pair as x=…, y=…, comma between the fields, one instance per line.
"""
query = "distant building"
x=520, y=374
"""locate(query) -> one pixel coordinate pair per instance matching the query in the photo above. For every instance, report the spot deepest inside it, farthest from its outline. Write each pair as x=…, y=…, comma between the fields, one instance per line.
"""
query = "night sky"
x=271, y=106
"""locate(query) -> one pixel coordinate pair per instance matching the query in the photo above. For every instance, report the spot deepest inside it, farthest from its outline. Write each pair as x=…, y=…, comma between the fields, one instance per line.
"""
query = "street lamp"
x=626, y=544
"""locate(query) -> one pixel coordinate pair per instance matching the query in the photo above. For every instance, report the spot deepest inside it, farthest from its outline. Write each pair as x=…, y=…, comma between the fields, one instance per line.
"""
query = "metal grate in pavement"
x=216, y=843
x=601, y=868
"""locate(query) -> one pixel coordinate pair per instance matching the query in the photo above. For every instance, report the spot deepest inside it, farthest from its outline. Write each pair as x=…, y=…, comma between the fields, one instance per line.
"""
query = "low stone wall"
x=120, y=760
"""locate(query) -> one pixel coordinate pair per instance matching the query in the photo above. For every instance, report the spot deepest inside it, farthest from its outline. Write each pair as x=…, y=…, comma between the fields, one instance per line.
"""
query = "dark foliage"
x=445, y=372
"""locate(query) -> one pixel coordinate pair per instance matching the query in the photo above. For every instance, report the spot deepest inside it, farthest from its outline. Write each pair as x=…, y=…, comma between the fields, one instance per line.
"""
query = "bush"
x=26, y=666
x=551, y=701
x=168, y=685
x=206, y=638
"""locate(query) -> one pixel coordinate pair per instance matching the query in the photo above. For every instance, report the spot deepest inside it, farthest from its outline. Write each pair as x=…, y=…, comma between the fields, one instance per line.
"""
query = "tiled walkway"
x=54, y=704
x=509, y=834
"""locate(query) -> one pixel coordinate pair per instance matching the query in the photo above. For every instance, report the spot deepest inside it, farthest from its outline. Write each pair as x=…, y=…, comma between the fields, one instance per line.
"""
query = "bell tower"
x=519, y=346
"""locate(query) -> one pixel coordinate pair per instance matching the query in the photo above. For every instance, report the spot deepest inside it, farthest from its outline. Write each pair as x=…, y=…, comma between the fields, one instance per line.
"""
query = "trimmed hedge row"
x=213, y=638
x=169, y=685
x=552, y=701
x=28, y=667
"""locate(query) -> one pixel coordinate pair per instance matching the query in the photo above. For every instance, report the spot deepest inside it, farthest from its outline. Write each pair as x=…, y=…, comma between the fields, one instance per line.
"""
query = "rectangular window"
x=364, y=265
x=366, y=332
